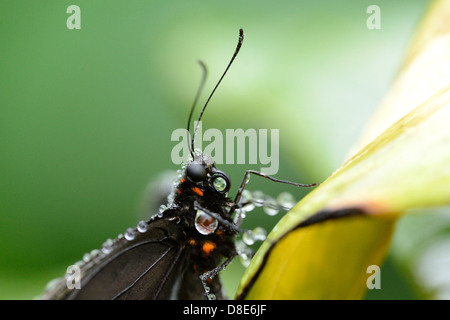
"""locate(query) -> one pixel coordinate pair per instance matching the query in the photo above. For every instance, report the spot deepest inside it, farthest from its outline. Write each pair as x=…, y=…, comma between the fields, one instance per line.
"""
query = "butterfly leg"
x=237, y=200
x=211, y=274
x=247, y=176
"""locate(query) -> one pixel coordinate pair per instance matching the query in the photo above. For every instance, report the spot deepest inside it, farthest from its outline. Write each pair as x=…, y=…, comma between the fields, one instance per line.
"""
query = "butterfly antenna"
x=199, y=91
x=241, y=39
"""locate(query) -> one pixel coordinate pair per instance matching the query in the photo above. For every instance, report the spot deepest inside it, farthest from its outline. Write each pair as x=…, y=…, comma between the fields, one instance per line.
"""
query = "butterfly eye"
x=220, y=182
x=196, y=172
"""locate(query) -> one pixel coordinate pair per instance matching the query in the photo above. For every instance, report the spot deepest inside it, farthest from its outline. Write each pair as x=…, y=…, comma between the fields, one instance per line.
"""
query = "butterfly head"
x=203, y=172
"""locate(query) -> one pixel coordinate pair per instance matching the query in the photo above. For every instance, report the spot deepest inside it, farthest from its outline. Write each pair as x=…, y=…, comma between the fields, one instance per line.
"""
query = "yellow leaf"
x=322, y=248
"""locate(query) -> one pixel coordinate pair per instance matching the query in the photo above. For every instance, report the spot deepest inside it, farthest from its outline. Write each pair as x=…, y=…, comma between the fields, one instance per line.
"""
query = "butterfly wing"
x=147, y=267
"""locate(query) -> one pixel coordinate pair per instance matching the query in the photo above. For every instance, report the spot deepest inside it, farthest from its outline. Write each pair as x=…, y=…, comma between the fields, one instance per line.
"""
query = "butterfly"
x=178, y=252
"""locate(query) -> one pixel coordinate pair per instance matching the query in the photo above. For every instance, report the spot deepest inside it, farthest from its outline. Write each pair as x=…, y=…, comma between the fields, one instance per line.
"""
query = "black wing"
x=148, y=267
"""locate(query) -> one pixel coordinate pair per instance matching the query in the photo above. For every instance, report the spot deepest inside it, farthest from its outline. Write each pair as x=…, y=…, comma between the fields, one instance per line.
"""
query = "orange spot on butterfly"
x=197, y=191
x=208, y=247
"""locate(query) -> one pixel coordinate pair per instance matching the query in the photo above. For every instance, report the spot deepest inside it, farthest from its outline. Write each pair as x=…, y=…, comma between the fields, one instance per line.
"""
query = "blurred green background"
x=86, y=115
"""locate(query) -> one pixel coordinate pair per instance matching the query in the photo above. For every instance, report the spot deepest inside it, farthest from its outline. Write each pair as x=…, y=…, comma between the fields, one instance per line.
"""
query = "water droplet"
x=107, y=246
x=204, y=223
x=245, y=253
x=258, y=198
x=86, y=257
x=241, y=247
x=94, y=252
x=246, y=198
x=270, y=206
x=245, y=261
x=248, y=237
x=130, y=234
x=142, y=226
x=259, y=234
x=270, y=211
x=162, y=208
x=286, y=199
x=239, y=215
x=52, y=284
x=249, y=207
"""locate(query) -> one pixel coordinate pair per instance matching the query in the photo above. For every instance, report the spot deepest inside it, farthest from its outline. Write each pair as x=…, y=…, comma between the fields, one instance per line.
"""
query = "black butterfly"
x=178, y=252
